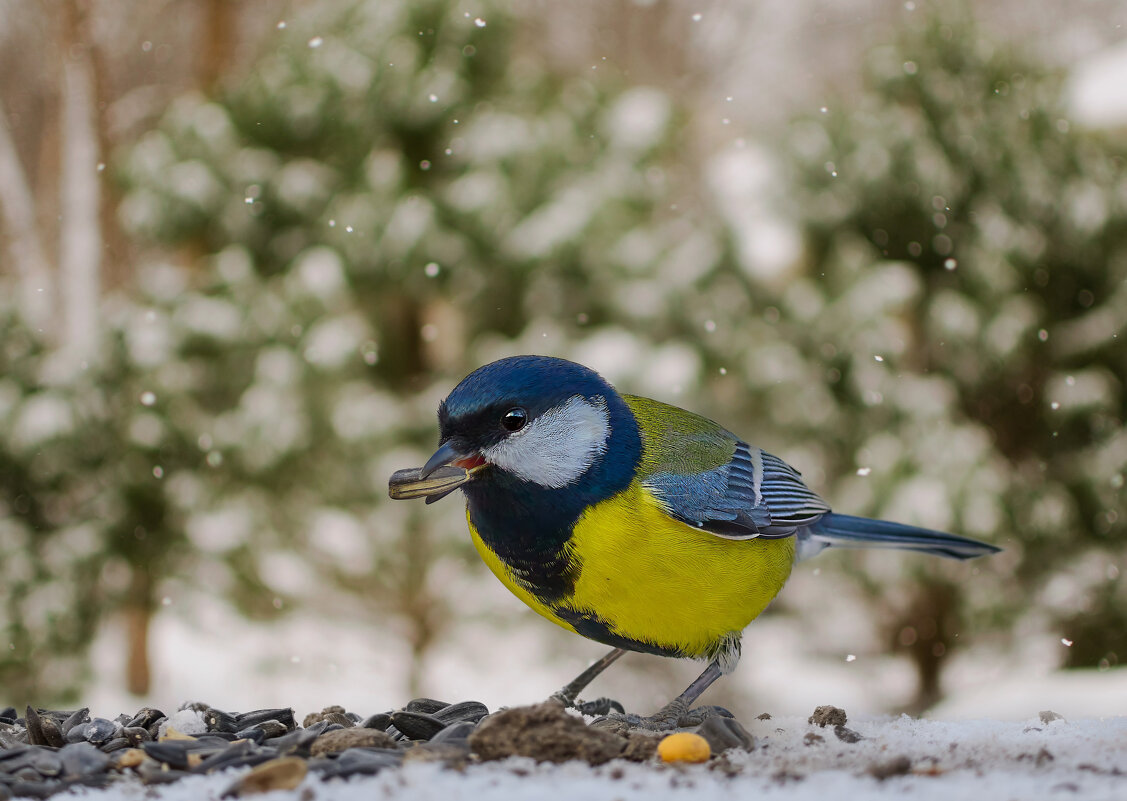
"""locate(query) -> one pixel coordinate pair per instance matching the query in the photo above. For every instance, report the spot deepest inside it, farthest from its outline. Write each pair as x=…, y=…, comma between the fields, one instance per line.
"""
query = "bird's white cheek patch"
x=558, y=447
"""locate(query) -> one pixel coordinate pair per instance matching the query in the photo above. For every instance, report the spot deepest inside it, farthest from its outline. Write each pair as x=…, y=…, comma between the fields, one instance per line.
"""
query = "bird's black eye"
x=514, y=419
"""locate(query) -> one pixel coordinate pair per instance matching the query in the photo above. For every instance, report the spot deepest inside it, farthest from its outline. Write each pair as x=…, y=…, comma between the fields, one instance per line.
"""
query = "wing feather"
x=705, y=476
x=754, y=495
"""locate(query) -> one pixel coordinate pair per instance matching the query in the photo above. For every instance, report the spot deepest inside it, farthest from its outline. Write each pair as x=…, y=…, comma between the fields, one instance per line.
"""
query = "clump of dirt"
x=828, y=716
x=332, y=742
x=640, y=747
x=897, y=766
x=546, y=733
x=329, y=712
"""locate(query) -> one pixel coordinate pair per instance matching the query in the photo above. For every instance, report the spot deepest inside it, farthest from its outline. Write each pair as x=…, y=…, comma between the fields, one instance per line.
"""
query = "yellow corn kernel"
x=684, y=747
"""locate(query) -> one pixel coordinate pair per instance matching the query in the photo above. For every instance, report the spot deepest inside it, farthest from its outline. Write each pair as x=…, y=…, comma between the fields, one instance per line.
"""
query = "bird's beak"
x=443, y=473
x=445, y=454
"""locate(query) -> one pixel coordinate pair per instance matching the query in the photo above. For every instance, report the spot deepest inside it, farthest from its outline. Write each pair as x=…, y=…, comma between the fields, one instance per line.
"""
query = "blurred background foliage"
x=913, y=292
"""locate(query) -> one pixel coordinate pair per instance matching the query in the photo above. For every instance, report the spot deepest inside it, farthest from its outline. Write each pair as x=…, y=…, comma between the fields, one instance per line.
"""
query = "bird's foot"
x=678, y=716
x=600, y=706
x=670, y=718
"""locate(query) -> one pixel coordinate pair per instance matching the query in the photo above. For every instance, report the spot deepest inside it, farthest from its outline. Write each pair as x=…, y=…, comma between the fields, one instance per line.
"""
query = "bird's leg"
x=678, y=712
x=568, y=694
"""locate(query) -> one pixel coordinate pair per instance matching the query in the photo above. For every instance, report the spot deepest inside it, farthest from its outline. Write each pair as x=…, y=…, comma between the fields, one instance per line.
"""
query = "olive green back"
x=677, y=441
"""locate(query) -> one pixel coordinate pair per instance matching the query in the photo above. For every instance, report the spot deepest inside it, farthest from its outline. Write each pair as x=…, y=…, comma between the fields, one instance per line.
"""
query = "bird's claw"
x=697, y=716
x=600, y=706
x=671, y=718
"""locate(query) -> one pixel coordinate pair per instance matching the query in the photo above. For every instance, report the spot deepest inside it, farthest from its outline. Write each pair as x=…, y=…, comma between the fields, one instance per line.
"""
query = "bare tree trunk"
x=80, y=234
x=17, y=207
x=138, y=617
x=927, y=629
x=219, y=41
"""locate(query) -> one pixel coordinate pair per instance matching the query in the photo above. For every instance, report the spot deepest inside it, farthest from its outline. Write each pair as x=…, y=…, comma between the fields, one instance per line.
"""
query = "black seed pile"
x=45, y=751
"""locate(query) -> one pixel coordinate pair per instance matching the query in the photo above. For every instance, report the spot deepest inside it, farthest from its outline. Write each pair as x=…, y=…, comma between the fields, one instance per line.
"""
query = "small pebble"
x=360, y=762
x=828, y=716
x=83, y=759
x=723, y=733
x=897, y=766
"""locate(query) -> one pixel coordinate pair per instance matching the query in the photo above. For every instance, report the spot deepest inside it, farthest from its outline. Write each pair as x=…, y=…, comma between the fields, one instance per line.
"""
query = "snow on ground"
x=211, y=654
x=985, y=741
x=976, y=759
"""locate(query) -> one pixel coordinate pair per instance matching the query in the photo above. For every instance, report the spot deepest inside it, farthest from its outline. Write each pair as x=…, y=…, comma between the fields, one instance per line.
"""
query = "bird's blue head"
x=536, y=425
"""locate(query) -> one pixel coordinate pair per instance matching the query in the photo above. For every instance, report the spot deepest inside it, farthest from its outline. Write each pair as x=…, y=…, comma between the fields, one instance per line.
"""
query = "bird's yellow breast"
x=652, y=579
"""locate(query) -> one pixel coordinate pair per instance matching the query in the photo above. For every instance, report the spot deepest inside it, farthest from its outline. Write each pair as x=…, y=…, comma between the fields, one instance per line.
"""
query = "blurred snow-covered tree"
x=392, y=189
x=956, y=192
x=47, y=535
x=399, y=191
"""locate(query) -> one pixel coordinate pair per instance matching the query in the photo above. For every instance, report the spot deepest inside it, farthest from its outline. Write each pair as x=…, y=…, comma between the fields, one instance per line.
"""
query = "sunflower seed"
x=473, y=711
x=425, y=705
x=379, y=721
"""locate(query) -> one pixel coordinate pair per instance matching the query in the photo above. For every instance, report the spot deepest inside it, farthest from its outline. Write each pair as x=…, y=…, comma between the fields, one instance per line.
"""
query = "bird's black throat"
x=528, y=526
x=529, y=530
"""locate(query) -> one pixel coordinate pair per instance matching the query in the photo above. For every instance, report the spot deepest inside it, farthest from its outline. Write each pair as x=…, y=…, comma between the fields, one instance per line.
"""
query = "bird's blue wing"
x=707, y=477
x=754, y=495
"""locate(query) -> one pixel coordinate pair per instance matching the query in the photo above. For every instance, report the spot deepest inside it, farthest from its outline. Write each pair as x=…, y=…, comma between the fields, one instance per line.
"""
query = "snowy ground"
x=310, y=662
x=985, y=741
x=1083, y=759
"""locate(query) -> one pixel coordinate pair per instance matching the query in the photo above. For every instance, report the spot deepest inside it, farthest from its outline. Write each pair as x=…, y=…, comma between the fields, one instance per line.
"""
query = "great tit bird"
x=629, y=521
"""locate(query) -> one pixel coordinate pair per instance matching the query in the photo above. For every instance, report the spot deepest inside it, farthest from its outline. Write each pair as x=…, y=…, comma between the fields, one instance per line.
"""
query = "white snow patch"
x=42, y=417
x=745, y=183
x=979, y=759
x=185, y=721
x=1098, y=89
x=319, y=270
x=333, y=341
x=639, y=118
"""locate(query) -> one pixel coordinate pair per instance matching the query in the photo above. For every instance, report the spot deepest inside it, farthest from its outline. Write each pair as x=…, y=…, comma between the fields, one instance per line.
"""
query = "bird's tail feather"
x=847, y=531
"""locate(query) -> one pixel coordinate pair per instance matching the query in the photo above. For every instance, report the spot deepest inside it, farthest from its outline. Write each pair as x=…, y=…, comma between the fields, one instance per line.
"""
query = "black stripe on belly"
x=550, y=577
x=595, y=628
x=528, y=528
